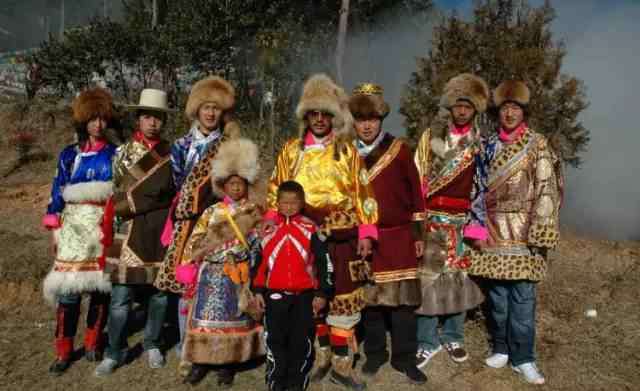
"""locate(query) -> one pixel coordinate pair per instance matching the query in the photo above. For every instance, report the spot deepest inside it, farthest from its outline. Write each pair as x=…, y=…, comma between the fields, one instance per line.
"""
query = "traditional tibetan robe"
x=192, y=155
x=144, y=191
x=217, y=331
x=78, y=211
x=522, y=201
x=396, y=184
x=453, y=186
x=338, y=199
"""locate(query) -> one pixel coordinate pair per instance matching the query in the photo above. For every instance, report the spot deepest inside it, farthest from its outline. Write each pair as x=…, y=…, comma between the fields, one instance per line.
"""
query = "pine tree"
x=506, y=39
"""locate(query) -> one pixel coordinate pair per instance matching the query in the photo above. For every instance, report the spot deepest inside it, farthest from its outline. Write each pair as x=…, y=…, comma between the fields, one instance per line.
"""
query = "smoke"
x=602, y=197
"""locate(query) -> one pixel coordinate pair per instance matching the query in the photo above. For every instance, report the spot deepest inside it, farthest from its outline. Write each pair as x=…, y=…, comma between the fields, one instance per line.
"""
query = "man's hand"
x=480, y=244
x=364, y=247
x=259, y=300
x=318, y=304
x=419, y=248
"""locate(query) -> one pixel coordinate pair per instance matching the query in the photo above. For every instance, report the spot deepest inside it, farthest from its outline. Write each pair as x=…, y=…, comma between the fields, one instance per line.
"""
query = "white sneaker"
x=497, y=360
x=530, y=373
x=106, y=367
x=424, y=355
x=156, y=359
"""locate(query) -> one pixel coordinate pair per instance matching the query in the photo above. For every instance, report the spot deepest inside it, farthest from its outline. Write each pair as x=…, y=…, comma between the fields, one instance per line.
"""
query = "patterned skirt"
x=216, y=333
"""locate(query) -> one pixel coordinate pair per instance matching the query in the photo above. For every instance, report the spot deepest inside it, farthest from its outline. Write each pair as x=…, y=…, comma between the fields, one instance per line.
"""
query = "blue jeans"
x=452, y=330
x=512, y=323
x=121, y=300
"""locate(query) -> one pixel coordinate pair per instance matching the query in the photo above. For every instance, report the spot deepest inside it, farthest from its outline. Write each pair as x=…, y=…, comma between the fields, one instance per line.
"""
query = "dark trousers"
x=67, y=317
x=290, y=333
x=403, y=335
x=512, y=323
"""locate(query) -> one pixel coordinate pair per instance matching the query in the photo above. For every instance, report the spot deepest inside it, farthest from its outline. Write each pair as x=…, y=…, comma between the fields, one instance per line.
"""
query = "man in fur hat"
x=144, y=190
x=395, y=292
x=338, y=198
x=522, y=205
x=447, y=157
x=209, y=107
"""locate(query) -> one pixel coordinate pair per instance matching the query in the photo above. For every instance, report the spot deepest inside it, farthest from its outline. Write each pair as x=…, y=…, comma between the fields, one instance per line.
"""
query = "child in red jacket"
x=292, y=283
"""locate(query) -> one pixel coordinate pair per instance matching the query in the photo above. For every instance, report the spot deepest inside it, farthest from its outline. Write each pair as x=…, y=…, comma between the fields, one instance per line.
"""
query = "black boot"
x=342, y=373
x=59, y=367
x=412, y=373
x=225, y=377
x=197, y=373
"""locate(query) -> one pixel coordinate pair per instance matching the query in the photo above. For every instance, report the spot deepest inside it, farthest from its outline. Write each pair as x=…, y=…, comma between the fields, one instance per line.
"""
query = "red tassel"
x=107, y=230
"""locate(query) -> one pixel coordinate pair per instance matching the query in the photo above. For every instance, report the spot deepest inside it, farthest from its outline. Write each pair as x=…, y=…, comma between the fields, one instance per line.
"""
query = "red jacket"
x=294, y=258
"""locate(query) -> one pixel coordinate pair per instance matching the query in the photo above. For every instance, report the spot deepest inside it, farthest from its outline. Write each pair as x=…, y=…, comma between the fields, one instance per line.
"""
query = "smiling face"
x=368, y=129
x=209, y=116
x=511, y=115
x=462, y=113
x=235, y=187
x=150, y=123
x=319, y=122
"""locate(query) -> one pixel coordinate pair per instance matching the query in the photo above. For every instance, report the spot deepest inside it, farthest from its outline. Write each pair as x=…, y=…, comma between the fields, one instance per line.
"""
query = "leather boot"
x=342, y=373
x=323, y=364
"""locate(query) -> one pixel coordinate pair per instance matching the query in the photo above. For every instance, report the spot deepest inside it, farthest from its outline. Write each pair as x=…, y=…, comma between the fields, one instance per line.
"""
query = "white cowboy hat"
x=152, y=99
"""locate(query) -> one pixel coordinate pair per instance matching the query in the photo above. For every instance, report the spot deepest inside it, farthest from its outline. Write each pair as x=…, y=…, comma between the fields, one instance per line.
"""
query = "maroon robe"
x=396, y=184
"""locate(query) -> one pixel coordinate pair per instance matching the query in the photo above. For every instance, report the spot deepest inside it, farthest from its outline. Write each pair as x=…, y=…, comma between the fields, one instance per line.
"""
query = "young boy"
x=293, y=283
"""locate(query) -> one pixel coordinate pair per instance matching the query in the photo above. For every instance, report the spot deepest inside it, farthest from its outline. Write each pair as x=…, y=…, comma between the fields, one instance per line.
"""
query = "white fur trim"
x=63, y=283
x=438, y=147
x=96, y=191
x=235, y=157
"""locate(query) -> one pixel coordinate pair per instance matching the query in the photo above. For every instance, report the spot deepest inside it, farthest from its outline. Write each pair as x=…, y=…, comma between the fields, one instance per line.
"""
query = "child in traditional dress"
x=293, y=282
x=221, y=329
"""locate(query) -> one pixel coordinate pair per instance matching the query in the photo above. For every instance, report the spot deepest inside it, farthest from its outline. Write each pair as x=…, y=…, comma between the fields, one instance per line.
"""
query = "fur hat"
x=211, y=89
x=321, y=93
x=468, y=87
x=93, y=103
x=239, y=157
x=367, y=101
x=511, y=91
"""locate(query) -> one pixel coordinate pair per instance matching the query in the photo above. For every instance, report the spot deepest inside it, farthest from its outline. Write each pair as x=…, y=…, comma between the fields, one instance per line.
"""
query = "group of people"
x=353, y=228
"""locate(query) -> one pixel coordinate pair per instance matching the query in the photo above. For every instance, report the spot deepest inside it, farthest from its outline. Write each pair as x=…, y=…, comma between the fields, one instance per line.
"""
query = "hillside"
x=575, y=352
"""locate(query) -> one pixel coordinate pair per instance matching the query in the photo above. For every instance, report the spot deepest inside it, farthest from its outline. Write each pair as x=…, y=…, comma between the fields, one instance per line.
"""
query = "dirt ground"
x=575, y=352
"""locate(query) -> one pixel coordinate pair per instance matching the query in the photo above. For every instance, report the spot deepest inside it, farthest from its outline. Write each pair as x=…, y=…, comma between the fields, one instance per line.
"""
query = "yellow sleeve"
x=421, y=156
x=364, y=197
x=197, y=235
x=118, y=167
x=421, y=159
x=544, y=229
x=281, y=173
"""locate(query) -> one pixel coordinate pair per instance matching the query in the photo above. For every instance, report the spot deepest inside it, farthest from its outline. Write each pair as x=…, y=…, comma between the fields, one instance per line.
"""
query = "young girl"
x=79, y=220
x=224, y=246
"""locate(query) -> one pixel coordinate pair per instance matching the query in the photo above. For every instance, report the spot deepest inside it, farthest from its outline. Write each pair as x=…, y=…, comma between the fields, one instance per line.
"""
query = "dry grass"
x=575, y=352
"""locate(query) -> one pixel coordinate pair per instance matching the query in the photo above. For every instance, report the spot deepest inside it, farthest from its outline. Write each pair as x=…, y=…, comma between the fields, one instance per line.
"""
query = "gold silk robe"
x=523, y=202
x=338, y=193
